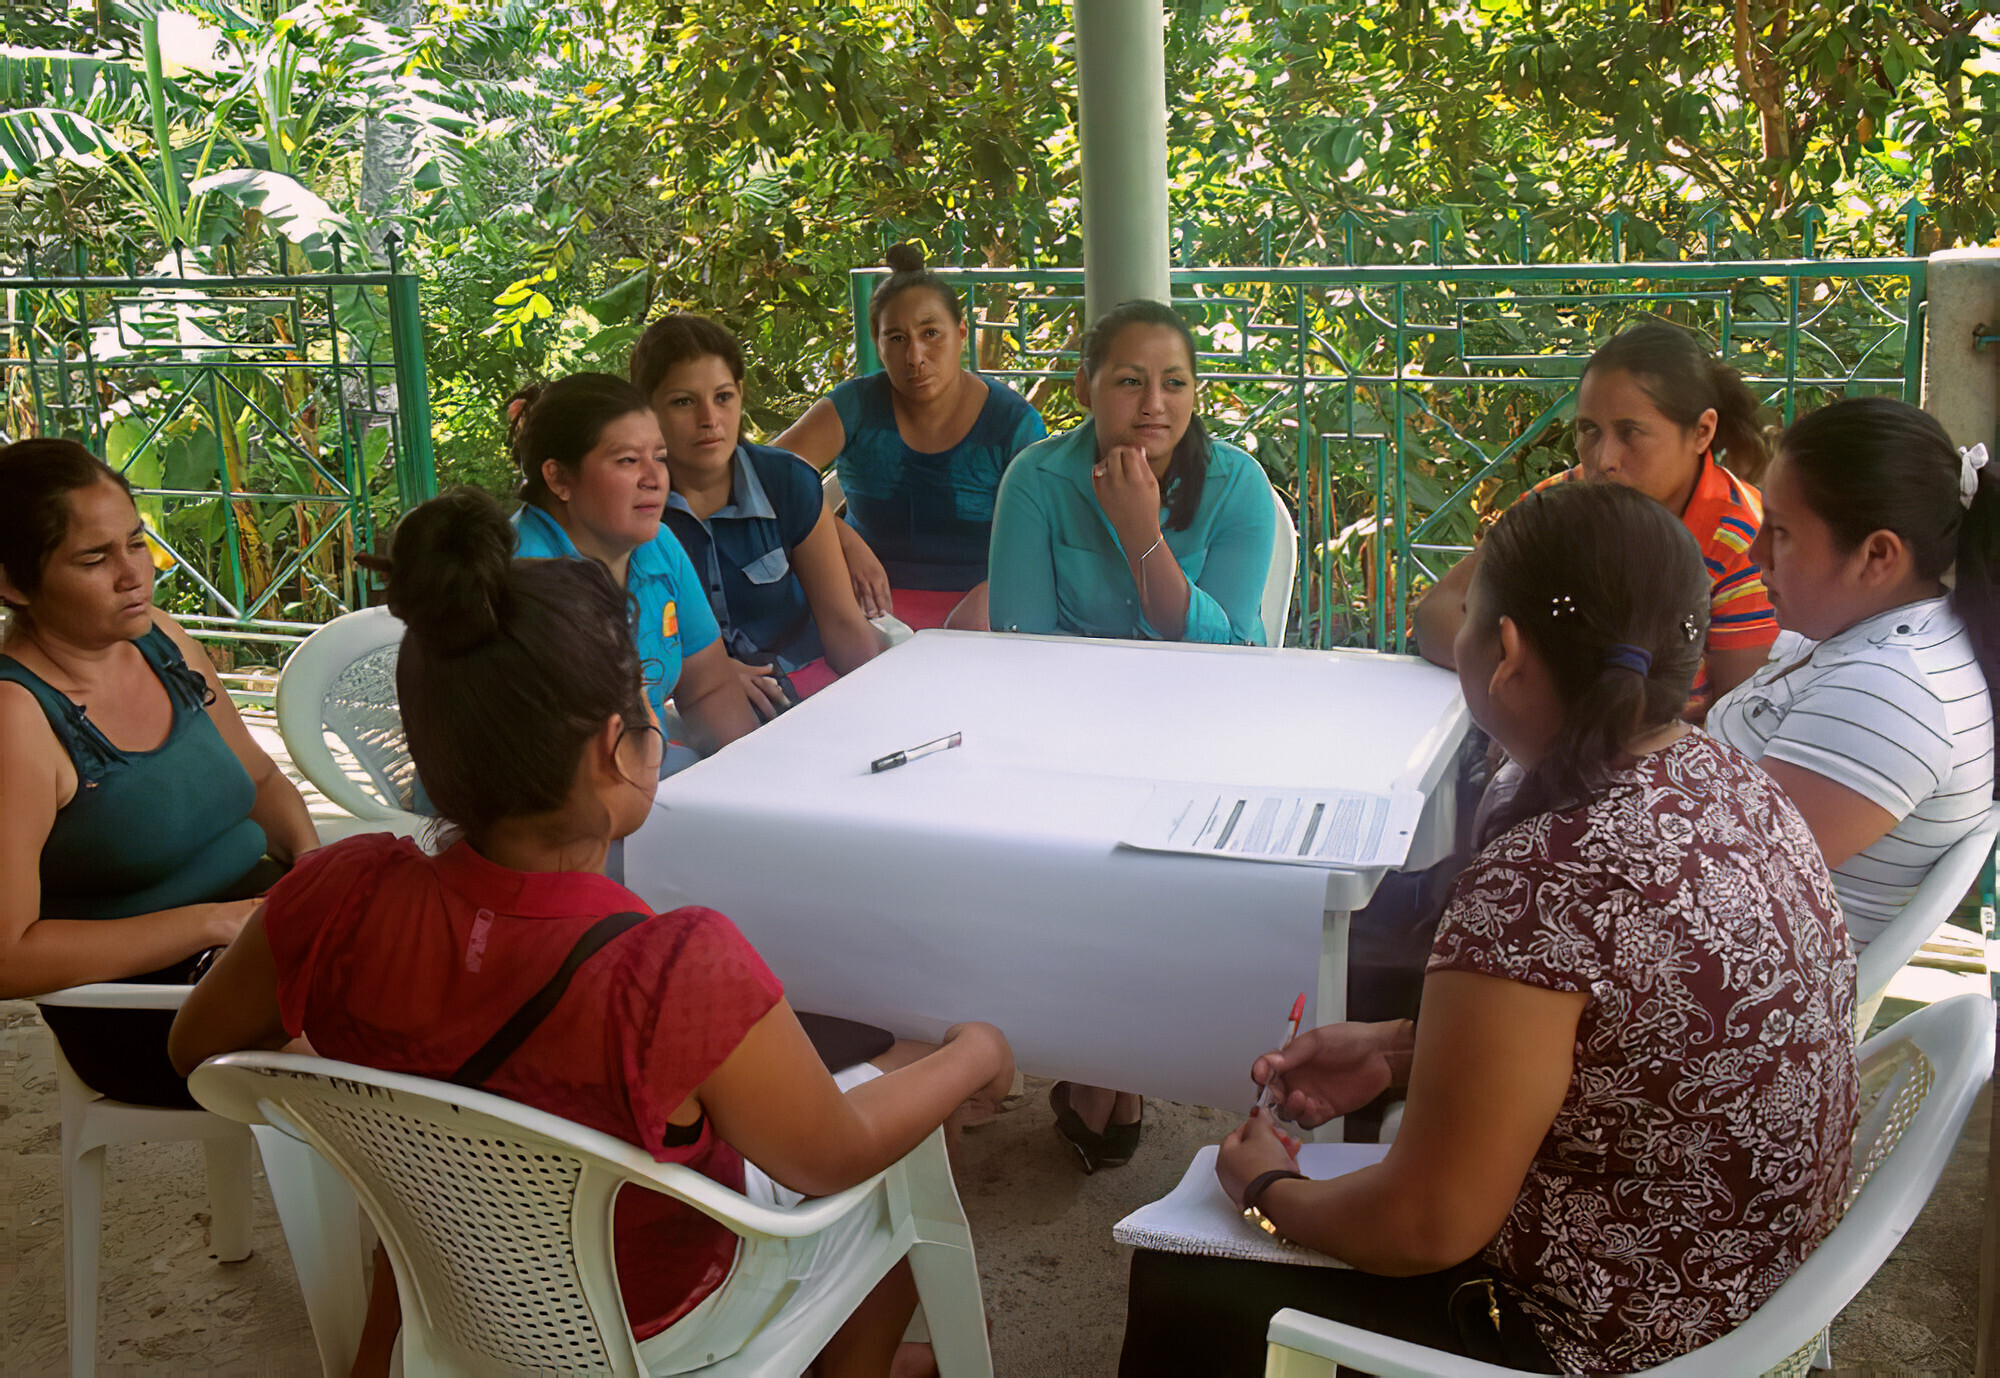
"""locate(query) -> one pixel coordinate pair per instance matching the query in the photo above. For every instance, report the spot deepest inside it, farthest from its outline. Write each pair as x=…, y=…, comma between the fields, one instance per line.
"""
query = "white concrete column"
x=1962, y=381
x=1121, y=80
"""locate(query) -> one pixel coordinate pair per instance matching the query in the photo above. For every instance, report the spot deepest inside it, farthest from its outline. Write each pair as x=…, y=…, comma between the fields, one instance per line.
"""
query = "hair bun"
x=448, y=572
x=904, y=258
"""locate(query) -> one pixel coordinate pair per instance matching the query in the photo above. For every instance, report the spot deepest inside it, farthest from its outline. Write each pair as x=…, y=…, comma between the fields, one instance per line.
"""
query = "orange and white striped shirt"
x=1724, y=514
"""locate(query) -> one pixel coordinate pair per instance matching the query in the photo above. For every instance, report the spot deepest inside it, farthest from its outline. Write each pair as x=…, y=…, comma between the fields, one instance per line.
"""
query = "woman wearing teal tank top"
x=138, y=820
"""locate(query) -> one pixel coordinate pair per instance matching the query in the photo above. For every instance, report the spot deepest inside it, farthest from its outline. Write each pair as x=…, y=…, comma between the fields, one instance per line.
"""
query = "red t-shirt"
x=409, y=963
x=1702, y=1150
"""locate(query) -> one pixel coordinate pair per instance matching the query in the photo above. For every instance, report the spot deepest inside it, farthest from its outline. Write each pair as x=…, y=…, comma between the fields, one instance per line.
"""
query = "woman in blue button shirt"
x=593, y=485
x=751, y=518
x=1135, y=524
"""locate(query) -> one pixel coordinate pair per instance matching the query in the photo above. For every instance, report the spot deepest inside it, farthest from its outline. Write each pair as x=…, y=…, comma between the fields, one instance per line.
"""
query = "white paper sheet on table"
x=1197, y=1218
x=1336, y=830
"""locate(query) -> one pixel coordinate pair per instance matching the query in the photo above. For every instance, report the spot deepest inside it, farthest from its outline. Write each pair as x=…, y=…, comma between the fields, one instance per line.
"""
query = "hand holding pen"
x=1291, y=1032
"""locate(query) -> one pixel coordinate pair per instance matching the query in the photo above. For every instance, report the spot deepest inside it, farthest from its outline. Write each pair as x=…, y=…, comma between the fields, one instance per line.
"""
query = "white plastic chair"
x=1275, y=610
x=1951, y=876
x=496, y=1218
x=1918, y=1081
x=342, y=681
x=327, y=1255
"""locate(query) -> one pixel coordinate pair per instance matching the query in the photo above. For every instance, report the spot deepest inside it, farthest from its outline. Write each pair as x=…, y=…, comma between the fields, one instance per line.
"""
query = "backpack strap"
x=529, y=1017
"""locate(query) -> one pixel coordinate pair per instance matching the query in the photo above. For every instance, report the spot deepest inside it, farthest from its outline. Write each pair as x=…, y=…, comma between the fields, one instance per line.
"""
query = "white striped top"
x=1896, y=709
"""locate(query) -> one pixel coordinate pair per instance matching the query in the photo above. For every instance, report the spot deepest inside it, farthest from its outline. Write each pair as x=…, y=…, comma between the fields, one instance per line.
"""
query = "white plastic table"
x=986, y=882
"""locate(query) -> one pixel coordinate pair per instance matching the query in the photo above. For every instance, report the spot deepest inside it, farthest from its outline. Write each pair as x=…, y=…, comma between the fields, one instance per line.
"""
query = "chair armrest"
x=1378, y=1354
x=117, y=995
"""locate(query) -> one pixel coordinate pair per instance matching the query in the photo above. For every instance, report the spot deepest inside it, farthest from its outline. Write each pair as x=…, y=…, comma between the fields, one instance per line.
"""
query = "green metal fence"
x=1399, y=405
x=270, y=424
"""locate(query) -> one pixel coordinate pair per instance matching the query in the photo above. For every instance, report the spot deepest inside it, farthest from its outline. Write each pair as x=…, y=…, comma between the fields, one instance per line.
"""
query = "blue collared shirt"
x=671, y=618
x=743, y=555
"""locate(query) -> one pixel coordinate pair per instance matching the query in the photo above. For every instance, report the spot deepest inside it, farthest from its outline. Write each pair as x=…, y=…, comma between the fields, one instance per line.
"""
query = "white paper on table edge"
x=1403, y=804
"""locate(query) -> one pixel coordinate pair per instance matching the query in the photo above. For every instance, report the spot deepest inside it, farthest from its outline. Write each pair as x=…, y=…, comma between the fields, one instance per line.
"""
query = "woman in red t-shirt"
x=525, y=707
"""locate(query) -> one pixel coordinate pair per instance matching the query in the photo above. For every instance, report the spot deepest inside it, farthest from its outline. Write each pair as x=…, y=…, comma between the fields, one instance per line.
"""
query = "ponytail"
x=1610, y=590
x=563, y=421
x=1684, y=378
x=1973, y=595
x=1867, y=464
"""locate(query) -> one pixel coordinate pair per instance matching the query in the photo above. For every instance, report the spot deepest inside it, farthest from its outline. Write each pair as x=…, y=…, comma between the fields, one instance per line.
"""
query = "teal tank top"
x=146, y=830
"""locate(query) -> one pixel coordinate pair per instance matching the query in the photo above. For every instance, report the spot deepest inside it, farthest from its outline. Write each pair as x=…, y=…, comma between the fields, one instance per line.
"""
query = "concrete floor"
x=1054, y=1281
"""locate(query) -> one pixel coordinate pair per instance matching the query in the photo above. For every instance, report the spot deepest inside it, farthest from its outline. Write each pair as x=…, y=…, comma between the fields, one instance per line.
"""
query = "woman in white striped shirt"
x=1874, y=712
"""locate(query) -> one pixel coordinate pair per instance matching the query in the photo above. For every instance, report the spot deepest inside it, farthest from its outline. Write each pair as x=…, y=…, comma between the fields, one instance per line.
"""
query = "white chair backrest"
x=341, y=682
x=1950, y=876
x=829, y=487
x=497, y=1216
x=1277, y=605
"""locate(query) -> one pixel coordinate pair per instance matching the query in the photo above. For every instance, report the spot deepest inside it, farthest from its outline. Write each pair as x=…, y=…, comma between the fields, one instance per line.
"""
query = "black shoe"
x=1089, y=1146
x=1121, y=1141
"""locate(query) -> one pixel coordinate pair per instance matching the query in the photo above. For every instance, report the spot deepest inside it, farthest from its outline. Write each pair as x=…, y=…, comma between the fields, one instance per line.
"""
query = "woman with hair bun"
x=1654, y=411
x=593, y=485
x=139, y=820
x=1631, y=1095
x=526, y=706
x=920, y=448
x=1875, y=712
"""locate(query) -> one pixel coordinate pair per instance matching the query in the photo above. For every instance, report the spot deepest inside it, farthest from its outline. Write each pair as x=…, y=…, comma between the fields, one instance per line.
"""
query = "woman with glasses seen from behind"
x=673, y=1036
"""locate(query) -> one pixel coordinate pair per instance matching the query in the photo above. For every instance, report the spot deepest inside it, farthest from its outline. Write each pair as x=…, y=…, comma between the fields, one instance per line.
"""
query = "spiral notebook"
x=1197, y=1218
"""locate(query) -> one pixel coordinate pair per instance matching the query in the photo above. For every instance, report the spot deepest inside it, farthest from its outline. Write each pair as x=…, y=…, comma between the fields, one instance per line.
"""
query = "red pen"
x=1291, y=1032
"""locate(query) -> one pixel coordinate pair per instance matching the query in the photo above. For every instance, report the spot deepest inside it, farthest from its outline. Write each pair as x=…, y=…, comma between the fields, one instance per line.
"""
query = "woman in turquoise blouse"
x=1135, y=524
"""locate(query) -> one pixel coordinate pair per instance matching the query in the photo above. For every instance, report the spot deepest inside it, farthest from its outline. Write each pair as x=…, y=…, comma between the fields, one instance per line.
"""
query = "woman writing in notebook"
x=674, y=1036
x=1632, y=1087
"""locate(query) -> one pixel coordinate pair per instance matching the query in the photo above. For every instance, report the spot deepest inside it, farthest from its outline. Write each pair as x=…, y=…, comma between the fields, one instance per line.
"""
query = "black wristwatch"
x=1254, y=1193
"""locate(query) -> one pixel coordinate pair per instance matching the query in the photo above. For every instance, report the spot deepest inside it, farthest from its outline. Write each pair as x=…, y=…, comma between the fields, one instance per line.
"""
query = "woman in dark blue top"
x=751, y=518
x=920, y=449
x=137, y=817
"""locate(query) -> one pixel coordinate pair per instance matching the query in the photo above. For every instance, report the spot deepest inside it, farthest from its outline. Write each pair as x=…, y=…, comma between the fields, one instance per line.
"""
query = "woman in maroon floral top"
x=1633, y=1088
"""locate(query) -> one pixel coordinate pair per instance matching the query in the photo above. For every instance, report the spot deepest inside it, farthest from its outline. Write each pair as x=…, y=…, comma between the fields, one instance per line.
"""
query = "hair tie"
x=1637, y=659
x=1971, y=459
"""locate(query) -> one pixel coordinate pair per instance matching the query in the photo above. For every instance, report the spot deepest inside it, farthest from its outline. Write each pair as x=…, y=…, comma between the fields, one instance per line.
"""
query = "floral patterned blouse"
x=1703, y=1148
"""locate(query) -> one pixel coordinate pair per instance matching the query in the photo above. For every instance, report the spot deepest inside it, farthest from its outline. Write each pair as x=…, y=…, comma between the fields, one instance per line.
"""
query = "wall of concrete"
x=1962, y=381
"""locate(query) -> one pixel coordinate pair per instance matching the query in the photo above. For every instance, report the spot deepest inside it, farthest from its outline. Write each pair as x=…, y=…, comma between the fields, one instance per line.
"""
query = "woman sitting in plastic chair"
x=131, y=795
x=675, y=1036
x=1632, y=1086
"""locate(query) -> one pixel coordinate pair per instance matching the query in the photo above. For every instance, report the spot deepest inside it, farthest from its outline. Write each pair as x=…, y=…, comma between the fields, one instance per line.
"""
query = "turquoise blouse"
x=1057, y=565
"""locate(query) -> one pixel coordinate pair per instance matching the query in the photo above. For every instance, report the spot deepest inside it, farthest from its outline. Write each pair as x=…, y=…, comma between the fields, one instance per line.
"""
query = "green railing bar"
x=235, y=542
x=1388, y=273
x=416, y=464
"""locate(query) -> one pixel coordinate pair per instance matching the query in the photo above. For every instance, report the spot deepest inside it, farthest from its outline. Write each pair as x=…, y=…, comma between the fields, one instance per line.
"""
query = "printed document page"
x=1337, y=830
